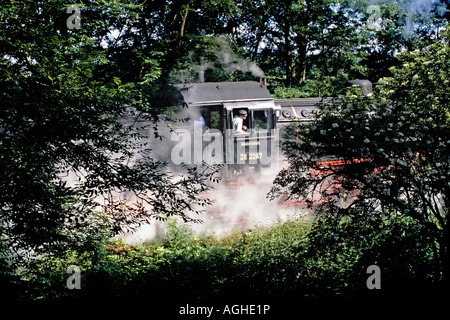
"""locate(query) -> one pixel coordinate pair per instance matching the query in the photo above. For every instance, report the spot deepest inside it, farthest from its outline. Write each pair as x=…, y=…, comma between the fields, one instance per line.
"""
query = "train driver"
x=238, y=121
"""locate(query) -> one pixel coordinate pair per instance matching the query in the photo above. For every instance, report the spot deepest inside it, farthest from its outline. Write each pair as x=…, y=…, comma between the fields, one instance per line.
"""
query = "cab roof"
x=219, y=92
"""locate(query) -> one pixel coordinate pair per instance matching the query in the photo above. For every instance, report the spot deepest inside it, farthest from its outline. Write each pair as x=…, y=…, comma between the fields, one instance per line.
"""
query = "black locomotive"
x=237, y=124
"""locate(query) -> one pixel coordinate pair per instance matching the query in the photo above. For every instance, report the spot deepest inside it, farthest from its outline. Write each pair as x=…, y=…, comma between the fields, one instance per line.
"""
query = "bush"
x=342, y=246
x=323, y=258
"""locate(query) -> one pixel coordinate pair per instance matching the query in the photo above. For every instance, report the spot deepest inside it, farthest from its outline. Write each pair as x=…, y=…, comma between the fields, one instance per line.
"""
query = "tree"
x=62, y=111
x=301, y=40
x=394, y=32
x=392, y=150
x=168, y=26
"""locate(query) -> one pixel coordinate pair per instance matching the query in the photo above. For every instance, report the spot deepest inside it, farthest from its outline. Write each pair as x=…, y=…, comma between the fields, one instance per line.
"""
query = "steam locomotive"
x=212, y=109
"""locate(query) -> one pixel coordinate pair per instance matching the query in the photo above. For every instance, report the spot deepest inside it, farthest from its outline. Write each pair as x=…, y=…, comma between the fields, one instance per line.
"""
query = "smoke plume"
x=232, y=62
x=235, y=208
x=223, y=56
x=420, y=9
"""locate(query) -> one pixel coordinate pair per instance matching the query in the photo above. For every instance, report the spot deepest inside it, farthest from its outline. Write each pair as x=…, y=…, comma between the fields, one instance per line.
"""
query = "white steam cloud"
x=232, y=62
x=422, y=9
x=235, y=208
x=227, y=58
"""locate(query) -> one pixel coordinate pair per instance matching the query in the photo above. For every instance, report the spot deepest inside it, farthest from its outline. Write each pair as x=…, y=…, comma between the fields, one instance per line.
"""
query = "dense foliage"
x=393, y=148
x=294, y=260
x=66, y=151
x=65, y=91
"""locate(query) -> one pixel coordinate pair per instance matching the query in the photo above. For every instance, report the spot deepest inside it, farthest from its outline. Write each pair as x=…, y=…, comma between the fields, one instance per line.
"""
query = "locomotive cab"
x=215, y=106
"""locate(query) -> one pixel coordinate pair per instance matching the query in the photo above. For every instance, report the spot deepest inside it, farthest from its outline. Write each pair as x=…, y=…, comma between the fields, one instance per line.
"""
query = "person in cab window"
x=238, y=121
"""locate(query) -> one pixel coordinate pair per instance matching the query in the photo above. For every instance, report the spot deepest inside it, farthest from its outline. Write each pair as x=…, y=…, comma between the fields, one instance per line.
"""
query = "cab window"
x=212, y=116
x=260, y=120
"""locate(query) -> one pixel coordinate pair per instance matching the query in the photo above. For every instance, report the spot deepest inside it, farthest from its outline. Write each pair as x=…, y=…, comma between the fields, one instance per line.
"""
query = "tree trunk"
x=184, y=15
x=256, y=46
x=174, y=49
x=302, y=47
x=288, y=53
